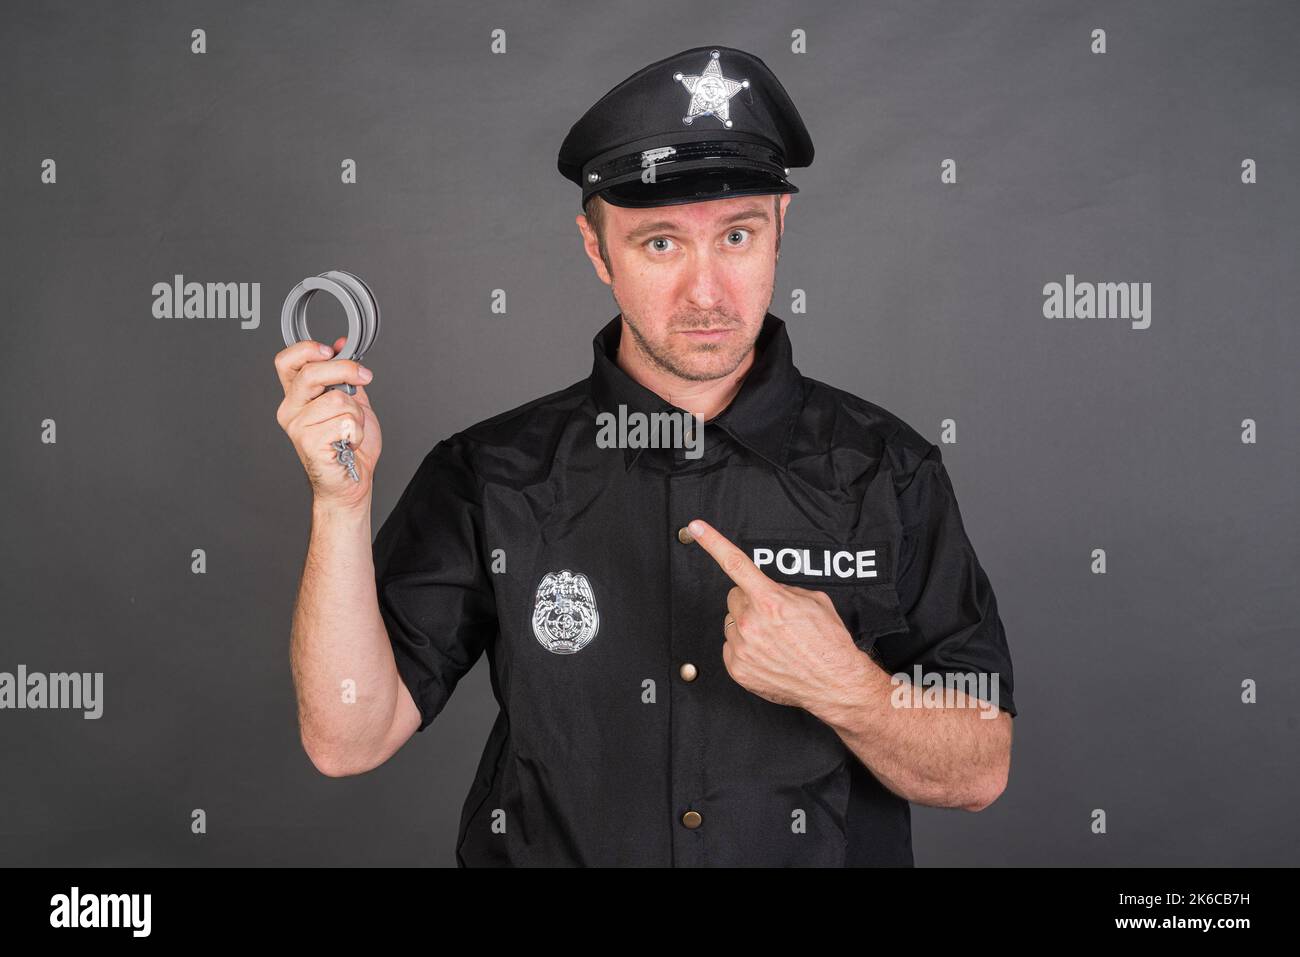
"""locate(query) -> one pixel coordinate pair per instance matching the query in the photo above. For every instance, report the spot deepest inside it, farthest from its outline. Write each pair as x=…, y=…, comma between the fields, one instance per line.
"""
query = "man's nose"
x=705, y=283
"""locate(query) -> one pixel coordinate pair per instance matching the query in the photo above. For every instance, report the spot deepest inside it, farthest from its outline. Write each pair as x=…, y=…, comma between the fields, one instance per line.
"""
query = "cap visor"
x=695, y=186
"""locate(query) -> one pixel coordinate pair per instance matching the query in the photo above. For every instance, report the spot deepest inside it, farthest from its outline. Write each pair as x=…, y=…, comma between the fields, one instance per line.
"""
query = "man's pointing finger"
x=732, y=560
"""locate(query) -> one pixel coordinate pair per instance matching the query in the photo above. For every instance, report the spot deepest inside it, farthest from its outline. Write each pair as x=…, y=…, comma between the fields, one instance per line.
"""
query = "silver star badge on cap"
x=711, y=92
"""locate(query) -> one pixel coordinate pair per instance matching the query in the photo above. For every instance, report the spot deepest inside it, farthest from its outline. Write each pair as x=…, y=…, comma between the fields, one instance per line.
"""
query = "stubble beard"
x=694, y=362
x=700, y=361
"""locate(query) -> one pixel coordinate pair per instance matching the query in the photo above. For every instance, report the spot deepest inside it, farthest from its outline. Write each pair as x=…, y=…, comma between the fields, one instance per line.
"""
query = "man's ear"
x=591, y=246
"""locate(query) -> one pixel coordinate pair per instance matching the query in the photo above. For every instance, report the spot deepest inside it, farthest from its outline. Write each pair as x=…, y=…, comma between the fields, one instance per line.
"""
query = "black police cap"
x=713, y=121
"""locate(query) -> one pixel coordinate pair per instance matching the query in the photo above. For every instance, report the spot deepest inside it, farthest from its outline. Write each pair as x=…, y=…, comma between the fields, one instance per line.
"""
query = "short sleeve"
x=951, y=611
x=435, y=596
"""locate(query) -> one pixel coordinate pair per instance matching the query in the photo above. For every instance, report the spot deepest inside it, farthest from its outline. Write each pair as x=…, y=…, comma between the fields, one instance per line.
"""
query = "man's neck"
x=706, y=398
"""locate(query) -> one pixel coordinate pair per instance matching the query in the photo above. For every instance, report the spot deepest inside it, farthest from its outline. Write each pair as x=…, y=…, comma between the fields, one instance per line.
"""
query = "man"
x=691, y=641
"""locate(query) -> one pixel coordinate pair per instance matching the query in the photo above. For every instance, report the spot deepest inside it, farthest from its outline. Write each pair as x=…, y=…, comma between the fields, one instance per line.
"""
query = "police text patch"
x=819, y=563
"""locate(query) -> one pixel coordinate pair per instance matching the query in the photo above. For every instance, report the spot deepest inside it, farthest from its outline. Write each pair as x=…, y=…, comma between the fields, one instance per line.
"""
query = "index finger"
x=290, y=360
x=732, y=560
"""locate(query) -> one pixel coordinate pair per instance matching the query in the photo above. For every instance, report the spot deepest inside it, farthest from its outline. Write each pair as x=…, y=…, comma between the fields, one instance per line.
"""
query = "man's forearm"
x=343, y=667
x=944, y=757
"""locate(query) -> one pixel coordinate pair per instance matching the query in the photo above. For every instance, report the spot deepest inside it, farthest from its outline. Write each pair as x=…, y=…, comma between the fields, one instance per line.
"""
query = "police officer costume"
x=621, y=738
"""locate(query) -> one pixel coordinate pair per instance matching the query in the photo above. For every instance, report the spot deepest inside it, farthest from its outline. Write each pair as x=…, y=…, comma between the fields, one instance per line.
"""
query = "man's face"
x=692, y=281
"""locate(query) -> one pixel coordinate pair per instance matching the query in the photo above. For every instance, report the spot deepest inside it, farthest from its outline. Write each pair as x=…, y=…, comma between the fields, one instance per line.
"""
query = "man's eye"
x=660, y=239
x=742, y=233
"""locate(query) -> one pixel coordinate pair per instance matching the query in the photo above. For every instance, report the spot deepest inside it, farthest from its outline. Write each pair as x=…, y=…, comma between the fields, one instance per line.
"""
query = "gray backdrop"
x=923, y=296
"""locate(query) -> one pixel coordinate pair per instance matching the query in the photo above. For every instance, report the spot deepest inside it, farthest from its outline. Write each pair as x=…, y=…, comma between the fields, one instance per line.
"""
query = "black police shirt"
x=621, y=739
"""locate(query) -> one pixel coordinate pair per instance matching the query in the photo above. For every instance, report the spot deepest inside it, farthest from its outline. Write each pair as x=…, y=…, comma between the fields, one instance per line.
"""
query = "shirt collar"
x=759, y=417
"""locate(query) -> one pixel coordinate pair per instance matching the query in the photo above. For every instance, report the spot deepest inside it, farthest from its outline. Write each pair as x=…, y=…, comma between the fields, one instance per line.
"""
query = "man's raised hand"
x=315, y=416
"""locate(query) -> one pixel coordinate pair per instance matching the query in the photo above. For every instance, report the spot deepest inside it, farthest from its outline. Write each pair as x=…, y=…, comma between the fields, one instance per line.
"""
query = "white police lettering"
x=828, y=562
x=565, y=618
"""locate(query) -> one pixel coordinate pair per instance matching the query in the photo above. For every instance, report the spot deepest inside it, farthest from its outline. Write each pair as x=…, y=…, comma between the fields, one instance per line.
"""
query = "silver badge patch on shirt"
x=711, y=92
x=565, y=618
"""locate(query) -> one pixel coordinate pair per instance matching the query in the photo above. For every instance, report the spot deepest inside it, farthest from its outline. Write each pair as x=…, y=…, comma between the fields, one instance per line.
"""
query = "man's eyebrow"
x=661, y=225
x=668, y=225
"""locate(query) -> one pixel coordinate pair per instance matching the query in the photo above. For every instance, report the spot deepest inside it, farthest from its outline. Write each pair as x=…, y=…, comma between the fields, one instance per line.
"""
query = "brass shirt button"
x=691, y=819
x=688, y=672
x=684, y=535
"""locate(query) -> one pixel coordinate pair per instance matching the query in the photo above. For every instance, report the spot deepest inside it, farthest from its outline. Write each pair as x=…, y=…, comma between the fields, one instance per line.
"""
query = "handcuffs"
x=362, y=310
